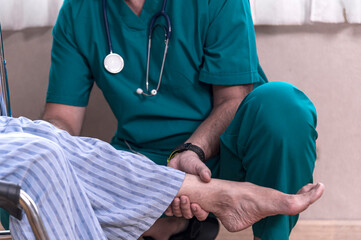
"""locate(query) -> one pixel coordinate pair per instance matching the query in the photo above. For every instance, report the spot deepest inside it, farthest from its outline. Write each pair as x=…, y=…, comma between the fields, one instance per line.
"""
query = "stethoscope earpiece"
x=141, y=92
x=153, y=92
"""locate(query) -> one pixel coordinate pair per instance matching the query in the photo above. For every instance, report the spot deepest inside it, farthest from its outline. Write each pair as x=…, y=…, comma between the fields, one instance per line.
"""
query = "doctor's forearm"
x=66, y=117
x=207, y=135
x=226, y=102
x=61, y=125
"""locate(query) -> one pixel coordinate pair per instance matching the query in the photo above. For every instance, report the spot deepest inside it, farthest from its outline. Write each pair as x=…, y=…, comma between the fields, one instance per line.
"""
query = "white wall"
x=324, y=61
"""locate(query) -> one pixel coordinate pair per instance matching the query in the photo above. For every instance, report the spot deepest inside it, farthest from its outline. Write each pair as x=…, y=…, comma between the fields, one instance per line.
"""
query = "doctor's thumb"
x=204, y=173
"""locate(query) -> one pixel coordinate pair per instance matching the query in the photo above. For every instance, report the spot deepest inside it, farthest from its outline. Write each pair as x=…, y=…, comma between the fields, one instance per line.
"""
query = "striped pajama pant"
x=83, y=187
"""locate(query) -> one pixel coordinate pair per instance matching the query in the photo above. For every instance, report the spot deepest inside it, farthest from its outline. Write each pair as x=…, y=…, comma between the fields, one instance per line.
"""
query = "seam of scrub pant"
x=271, y=142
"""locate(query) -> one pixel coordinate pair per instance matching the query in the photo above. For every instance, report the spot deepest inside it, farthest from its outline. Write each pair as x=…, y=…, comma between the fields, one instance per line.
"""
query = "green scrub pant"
x=272, y=143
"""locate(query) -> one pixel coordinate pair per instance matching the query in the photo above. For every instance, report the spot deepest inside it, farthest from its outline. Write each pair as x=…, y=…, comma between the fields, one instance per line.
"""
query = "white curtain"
x=19, y=14
x=296, y=12
x=336, y=11
x=281, y=12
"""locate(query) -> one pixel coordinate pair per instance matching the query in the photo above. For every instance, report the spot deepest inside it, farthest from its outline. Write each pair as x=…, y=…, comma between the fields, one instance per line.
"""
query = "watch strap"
x=188, y=147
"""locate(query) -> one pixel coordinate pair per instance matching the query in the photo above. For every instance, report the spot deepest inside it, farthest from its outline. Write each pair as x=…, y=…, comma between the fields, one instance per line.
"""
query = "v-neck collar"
x=150, y=7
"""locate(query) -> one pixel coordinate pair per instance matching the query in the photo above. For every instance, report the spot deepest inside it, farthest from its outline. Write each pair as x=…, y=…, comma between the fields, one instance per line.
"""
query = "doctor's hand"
x=188, y=162
x=181, y=207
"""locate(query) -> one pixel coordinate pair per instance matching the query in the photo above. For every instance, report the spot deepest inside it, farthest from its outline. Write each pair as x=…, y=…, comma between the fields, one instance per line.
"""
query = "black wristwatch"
x=186, y=147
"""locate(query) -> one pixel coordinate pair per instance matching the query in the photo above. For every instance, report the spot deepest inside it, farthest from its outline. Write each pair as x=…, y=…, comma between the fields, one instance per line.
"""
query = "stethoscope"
x=114, y=63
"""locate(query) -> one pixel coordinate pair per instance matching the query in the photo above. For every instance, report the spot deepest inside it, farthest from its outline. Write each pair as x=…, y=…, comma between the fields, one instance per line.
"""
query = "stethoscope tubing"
x=155, y=17
x=106, y=23
x=152, y=25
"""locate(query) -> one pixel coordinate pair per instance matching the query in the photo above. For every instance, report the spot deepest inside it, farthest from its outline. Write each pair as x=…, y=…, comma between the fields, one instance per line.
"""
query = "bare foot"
x=240, y=205
x=163, y=228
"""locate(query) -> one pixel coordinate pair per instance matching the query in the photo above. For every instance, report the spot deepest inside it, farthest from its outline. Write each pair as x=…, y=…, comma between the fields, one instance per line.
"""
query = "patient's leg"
x=240, y=204
x=74, y=179
x=127, y=193
x=40, y=167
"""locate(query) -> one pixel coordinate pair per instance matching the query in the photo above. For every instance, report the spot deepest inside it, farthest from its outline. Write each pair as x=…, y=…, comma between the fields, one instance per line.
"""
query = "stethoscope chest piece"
x=113, y=63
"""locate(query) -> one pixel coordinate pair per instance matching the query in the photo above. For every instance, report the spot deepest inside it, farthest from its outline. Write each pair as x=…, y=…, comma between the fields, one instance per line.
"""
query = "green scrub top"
x=212, y=42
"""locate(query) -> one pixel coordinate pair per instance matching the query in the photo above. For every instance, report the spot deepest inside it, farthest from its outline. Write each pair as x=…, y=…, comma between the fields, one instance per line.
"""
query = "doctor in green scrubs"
x=213, y=94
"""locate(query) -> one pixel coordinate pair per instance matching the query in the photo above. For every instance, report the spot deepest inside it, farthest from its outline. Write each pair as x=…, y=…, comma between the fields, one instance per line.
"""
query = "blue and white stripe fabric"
x=84, y=188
